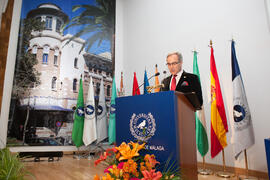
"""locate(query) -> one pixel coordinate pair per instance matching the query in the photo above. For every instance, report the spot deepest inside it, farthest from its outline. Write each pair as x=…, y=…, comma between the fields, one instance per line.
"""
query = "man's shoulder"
x=189, y=75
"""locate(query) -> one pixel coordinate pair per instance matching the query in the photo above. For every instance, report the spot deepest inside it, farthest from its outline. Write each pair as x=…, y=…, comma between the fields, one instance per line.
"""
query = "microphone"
x=150, y=88
x=156, y=74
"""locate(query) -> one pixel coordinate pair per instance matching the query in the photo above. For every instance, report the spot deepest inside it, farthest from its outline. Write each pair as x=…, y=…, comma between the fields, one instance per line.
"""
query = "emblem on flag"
x=241, y=116
x=112, y=109
x=100, y=110
x=80, y=111
x=89, y=110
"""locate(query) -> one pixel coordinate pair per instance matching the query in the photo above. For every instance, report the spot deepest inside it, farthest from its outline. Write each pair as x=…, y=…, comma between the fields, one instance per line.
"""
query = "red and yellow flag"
x=219, y=126
x=156, y=80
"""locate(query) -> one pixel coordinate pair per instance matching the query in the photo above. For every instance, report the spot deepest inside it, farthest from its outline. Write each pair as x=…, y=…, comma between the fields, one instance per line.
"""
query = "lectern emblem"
x=142, y=126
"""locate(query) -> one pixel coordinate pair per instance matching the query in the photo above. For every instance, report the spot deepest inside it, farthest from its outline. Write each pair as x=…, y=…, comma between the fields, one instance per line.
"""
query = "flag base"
x=205, y=171
x=244, y=177
x=224, y=174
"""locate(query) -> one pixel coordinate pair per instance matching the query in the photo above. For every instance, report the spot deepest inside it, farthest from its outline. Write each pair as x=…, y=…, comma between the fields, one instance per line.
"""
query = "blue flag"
x=146, y=83
x=242, y=126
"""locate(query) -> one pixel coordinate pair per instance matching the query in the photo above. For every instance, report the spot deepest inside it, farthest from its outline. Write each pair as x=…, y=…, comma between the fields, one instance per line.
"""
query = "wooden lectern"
x=166, y=120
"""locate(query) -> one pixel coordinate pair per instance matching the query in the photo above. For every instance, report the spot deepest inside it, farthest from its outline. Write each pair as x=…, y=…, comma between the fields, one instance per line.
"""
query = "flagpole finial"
x=211, y=43
x=194, y=51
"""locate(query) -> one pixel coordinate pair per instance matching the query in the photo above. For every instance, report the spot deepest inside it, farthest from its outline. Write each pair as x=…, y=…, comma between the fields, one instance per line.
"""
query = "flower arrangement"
x=125, y=162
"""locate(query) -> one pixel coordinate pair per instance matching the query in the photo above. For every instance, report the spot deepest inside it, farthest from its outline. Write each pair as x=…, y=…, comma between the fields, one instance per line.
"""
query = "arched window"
x=34, y=51
x=55, y=57
x=45, y=54
x=58, y=25
x=54, y=83
x=108, y=90
x=76, y=63
x=74, y=85
x=48, y=23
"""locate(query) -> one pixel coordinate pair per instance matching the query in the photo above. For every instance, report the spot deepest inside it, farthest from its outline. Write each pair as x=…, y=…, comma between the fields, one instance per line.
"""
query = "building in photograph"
x=61, y=65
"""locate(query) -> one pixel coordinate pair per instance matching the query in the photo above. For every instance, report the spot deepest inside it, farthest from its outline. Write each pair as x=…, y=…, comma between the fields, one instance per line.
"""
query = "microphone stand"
x=157, y=74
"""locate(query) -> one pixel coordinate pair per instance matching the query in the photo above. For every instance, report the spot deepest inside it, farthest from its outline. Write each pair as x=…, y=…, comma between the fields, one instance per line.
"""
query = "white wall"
x=149, y=29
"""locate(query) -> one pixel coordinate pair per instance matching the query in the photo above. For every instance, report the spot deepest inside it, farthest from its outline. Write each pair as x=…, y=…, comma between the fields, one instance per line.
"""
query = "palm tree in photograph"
x=97, y=20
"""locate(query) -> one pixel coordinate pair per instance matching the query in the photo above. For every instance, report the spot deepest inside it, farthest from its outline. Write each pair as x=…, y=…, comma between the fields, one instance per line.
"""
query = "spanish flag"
x=219, y=126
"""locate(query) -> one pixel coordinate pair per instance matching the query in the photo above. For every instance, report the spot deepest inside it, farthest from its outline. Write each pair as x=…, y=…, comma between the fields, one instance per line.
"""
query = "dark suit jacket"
x=187, y=83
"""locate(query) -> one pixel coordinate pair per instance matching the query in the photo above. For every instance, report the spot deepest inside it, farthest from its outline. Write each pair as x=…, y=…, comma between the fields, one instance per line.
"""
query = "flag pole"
x=224, y=173
x=246, y=177
x=204, y=171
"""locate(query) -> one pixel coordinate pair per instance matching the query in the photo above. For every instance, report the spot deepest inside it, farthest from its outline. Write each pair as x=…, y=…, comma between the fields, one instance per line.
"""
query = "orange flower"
x=128, y=153
x=96, y=177
x=151, y=175
x=115, y=171
x=150, y=161
x=142, y=167
x=130, y=167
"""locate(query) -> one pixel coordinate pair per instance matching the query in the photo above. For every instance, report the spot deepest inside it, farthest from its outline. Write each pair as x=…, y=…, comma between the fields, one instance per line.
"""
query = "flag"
x=146, y=83
x=156, y=80
x=121, y=91
x=121, y=84
x=219, y=126
x=102, y=128
x=135, y=90
x=111, y=131
x=242, y=126
x=201, y=135
x=77, y=131
x=90, y=129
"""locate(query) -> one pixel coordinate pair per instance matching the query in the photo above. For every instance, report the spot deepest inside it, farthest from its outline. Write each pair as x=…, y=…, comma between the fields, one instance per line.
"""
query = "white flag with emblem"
x=90, y=130
x=242, y=126
x=102, y=127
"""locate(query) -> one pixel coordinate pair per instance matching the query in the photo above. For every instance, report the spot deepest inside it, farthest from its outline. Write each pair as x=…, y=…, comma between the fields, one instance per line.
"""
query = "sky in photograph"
x=66, y=6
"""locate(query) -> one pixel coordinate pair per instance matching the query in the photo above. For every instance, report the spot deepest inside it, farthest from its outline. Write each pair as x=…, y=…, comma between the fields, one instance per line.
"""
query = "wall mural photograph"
x=59, y=43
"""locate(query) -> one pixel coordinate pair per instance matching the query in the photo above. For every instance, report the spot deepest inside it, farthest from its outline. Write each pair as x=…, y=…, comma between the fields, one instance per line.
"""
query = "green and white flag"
x=77, y=131
x=201, y=135
x=111, y=131
x=90, y=129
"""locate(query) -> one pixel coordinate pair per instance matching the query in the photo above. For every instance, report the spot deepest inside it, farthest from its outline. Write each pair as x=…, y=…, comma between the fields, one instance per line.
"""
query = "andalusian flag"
x=156, y=80
x=111, y=131
x=77, y=131
x=219, y=126
x=242, y=126
x=201, y=135
x=146, y=83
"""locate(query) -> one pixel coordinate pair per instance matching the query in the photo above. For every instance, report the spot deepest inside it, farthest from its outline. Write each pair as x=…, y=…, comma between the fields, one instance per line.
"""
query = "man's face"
x=173, y=64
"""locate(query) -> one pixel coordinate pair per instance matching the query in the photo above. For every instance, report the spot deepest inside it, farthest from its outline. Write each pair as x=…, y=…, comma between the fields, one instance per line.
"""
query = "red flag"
x=136, y=90
x=219, y=126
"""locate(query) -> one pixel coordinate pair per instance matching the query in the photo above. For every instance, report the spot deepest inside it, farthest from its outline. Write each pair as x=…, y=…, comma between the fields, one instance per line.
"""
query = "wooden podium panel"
x=166, y=120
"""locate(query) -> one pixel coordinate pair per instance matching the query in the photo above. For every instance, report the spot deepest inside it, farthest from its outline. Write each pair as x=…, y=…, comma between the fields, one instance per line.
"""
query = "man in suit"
x=179, y=80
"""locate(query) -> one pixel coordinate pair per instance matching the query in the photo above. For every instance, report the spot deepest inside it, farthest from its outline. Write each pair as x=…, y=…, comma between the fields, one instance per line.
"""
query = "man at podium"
x=179, y=80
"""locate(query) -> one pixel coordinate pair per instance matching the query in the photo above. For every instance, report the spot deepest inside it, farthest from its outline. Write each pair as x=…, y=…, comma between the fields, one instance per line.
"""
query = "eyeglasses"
x=172, y=64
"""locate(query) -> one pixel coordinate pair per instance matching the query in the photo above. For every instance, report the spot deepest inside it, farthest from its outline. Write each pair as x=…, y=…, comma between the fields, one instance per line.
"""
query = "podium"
x=267, y=151
x=166, y=121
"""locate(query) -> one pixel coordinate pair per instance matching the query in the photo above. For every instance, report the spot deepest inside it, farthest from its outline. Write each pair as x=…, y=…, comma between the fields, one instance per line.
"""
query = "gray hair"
x=178, y=54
